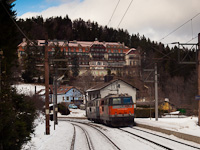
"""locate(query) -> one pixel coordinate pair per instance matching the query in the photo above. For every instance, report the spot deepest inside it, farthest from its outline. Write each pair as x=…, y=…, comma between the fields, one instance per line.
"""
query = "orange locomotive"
x=113, y=110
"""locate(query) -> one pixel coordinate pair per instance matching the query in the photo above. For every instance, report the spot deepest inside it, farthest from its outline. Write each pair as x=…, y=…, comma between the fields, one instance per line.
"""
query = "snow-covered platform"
x=185, y=128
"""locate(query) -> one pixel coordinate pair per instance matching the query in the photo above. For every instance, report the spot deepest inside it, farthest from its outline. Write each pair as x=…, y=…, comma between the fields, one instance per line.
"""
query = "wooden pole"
x=47, y=87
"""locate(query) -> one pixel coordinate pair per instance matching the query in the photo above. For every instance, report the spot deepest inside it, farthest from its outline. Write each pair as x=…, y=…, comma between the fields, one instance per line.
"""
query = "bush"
x=145, y=112
x=16, y=121
x=63, y=109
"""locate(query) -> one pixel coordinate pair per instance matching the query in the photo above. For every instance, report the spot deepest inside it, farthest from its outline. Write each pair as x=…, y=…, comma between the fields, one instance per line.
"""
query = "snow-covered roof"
x=74, y=43
x=62, y=89
x=132, y=50
x=105, y=84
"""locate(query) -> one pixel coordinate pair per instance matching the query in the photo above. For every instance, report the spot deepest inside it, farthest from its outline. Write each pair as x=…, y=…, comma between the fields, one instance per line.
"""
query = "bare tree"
x=85, y=81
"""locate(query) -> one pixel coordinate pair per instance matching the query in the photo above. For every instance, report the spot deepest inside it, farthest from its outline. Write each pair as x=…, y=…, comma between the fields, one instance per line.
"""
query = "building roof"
x=105, y=84
x=74, y=43
x=62, y=89
x=131, y=51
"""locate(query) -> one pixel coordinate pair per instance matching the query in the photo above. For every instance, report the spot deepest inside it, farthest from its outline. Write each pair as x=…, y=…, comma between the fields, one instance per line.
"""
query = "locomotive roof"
x=105, y=84
x=117, y=95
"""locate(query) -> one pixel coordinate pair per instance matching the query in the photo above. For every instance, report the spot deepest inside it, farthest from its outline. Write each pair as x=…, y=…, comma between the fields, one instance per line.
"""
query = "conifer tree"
x=16, y=112
x=75, y=66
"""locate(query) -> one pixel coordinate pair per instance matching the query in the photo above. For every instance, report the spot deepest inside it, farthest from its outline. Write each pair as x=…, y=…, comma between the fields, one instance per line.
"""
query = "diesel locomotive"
x=113, y=110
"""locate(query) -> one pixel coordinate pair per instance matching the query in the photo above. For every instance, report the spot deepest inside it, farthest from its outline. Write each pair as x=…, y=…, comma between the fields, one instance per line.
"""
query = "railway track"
x=160, y=145
x=167, y=138
x=159, y=140
x=156, y=135
x=89, y=141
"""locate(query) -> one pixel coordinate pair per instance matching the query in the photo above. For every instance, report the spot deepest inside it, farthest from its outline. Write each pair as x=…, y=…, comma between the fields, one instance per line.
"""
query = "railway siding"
x=184, y=136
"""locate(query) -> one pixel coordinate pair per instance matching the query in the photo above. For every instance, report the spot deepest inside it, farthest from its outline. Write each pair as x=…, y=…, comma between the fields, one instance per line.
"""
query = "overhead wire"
x=125, y=13
x=113, y=12
x=13, y=20
x=179, y=27
x=192, y=28
x=192, y=39
x=16, y=24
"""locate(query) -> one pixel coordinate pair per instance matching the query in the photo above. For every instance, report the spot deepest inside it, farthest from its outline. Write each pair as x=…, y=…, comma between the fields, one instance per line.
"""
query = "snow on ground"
x=187, y=125
x=60, y=138
x=28, y=89
x=74, y=113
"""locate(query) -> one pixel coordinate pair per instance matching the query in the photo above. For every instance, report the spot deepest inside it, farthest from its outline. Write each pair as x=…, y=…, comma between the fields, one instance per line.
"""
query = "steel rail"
x=147, y=139
x=89, y=142
x=165, y=138
x=99, y=132
x=73, y=139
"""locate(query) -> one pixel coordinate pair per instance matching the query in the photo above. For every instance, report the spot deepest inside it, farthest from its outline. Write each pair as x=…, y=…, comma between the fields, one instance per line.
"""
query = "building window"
x=80, y=50
x=63, y=98
x=67, y=97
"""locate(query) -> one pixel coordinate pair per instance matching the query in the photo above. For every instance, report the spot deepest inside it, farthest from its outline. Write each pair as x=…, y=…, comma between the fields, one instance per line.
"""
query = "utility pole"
x=199, y=75
x=1, y=56
x=55, y=107
x=156, y=92
x=197, y=62
x=155, y=81
x=56, y=102
x=47, y=87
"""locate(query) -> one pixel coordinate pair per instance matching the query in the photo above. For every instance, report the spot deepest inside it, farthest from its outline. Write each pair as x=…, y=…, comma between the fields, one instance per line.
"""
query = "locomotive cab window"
x=116, y=101
x=127, y=100
x=102, y=102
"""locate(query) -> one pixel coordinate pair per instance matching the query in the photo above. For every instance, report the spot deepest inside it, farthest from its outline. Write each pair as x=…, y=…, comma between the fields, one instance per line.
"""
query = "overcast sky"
x=153, y=18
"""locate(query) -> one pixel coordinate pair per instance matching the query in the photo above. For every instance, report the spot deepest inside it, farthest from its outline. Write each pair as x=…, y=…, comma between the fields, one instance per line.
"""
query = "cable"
x=192, y=28
x=179, y=27
x=125, y=13
x=192, y=39
x=16, y=23
x=113, y=12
